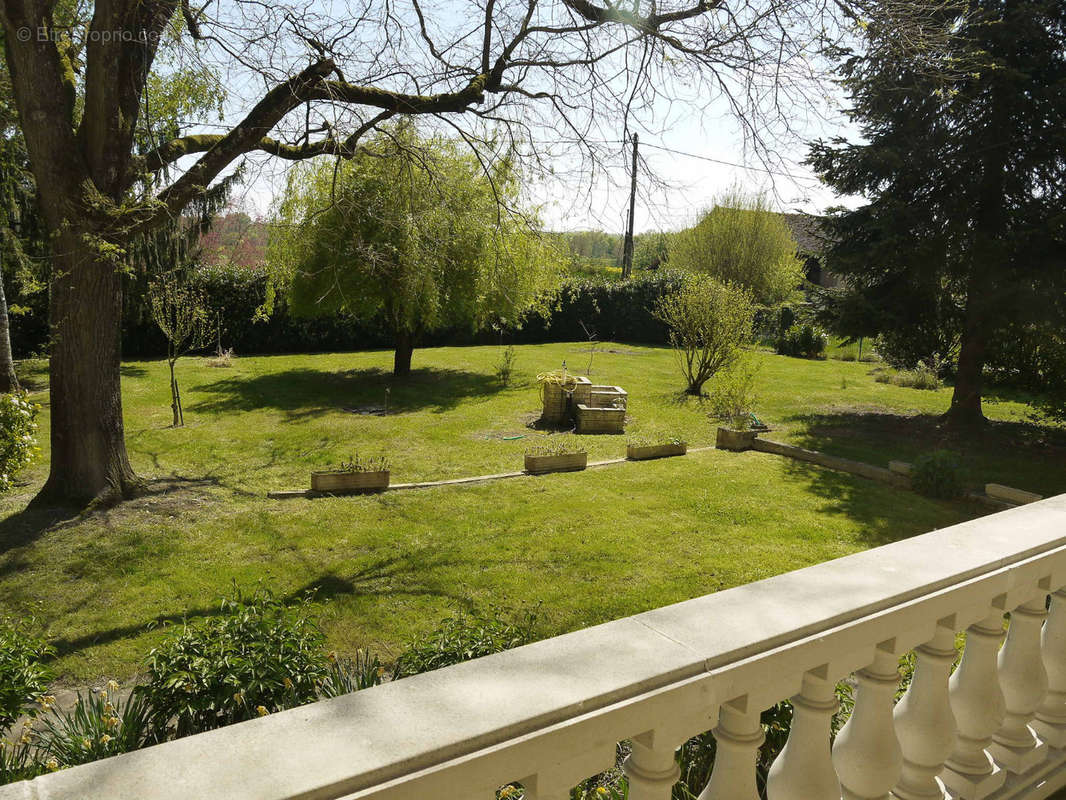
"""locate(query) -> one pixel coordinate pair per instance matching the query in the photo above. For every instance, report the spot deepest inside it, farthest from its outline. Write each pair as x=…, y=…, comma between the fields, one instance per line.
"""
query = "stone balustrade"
x=550, y=714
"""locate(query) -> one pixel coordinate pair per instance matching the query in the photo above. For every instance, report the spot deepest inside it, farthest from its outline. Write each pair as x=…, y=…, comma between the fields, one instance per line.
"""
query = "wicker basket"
x=338, y=482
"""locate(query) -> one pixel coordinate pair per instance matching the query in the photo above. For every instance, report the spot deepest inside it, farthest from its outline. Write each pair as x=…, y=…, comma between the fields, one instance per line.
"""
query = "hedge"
x=609, y=311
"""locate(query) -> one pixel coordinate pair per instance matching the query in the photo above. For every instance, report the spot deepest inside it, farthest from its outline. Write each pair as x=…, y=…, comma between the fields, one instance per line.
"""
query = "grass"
x=589, y=546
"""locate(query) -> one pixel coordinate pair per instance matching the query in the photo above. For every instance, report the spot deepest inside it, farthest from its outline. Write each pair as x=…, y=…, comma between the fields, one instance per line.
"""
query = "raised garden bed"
x=600, y=420
x=605, y=397
x=561, y=394
x=345, y=482
x=558, y=462
x=730, y=439
x=641, y=452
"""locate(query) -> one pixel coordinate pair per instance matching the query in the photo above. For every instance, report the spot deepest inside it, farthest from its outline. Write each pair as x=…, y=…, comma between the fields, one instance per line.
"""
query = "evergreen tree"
x=961, y=243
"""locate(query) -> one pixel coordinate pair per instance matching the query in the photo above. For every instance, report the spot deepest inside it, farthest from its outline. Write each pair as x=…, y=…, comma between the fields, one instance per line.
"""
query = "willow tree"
x=415, y=231
x=562, y=73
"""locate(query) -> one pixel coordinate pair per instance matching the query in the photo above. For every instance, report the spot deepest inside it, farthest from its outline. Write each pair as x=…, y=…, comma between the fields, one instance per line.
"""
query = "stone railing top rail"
x=372, y=742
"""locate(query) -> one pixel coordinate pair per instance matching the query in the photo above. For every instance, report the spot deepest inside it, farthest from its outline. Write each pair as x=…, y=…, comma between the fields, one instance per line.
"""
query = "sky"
x=691, y=151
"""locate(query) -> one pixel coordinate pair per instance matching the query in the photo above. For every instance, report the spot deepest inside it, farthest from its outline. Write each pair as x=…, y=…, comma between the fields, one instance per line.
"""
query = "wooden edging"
x=898, y=476
x=474, y=479
x=860, y=468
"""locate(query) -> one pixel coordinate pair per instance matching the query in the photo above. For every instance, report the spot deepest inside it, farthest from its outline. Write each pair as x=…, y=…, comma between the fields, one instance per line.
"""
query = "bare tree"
x=179, y=312
x=544, y=78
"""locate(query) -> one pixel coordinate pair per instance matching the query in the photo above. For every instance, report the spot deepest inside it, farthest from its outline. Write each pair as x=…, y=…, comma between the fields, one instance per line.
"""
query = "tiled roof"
x=806, y=230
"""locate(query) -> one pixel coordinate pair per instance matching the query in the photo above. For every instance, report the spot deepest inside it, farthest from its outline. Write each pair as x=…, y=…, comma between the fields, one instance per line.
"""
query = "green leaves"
x=741, y=241
x=708, y=321
x=415, y=229
x=23, y=678
x=258, y=656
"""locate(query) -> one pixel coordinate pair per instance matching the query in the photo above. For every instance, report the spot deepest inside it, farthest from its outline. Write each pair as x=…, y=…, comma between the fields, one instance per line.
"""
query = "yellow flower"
x=287, y=683
x=112, y=722
x=112, y=685
x=331, y=656
x=110, y=709
x=261, y=711
x=52, y=764
x=86, y=742
x=238, y=697
x=105, y=739
x=601, y=791
x=103, y=694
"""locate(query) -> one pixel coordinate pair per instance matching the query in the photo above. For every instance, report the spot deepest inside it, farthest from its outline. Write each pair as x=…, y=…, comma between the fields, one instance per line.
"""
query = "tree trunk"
x=9, y=382
x=965, y=410
x=405, y=347
x=89, y=458
x=175, y=398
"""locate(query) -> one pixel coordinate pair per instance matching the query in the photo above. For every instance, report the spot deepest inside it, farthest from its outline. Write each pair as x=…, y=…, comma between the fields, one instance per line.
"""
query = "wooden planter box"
x=641, y=452
x=728, y=439
x=600, y=420
x=559, y=402
x=339, y=482
x=568, y=462
x=606, y=397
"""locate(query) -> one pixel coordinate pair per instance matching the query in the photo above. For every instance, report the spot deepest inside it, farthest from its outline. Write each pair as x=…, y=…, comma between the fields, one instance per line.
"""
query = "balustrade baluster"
x=978, y=705
x=738, y=737
x=651, y=772
x=1024, y=682
x=924, y=722
x=804, y=770
x=1050, y=722
x=866, y=753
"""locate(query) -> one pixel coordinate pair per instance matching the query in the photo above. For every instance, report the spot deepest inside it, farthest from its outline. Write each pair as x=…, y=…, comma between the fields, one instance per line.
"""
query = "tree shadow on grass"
x=305, y=392
x=1020, y=454
x=25, y=526
x=385, y=577
x=884, y=513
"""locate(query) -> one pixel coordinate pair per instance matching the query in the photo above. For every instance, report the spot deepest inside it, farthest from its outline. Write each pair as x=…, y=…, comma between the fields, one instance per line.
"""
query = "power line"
x=728, y=163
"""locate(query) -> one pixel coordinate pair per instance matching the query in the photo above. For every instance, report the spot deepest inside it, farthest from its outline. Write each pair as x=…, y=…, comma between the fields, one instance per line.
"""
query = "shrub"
x=744, y=242
x=23, y=677
x=464, y=637
x=506, y=365
x=936, y=474
x=708, y=321
x=99, y=725
x=803, y=341
x=258, y=656
x=923, y=377
x=18, y=445
x=733, y=392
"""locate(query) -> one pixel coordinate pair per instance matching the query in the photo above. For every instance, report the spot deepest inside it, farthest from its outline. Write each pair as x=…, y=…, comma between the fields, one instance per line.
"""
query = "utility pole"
x=627, y=250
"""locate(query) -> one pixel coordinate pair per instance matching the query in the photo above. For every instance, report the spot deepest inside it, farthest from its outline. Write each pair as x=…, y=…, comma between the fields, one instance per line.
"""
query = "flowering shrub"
x=258, y=656
x=100, y=725
x=18, y=445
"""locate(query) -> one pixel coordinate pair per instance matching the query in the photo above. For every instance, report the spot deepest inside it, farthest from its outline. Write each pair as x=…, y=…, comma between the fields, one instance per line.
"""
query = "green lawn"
x=589, y=546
